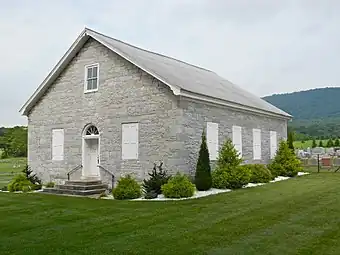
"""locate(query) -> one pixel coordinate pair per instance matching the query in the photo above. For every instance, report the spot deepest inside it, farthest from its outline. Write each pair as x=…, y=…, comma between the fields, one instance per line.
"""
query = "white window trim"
x=85, y=78
x=61, y=157
x=273, y=151
x=257, y=131
x=212, y=147
x=124, y=157
x=237, y=144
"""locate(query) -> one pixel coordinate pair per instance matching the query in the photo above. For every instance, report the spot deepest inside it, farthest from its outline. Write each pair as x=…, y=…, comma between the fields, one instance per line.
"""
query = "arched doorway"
x=91, y=142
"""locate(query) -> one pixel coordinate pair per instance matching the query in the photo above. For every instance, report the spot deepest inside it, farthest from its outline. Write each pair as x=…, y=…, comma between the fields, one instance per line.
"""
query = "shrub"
x=20, y=183
x=127, y=188
x=178, y=186
x=228, y=156
x=203, y=179
x=238, y=176
x=219, y=179
x=33, y=178
x=50, y=185
x=260, y=174
x=157, y=179
x=285, y=162
x=4, y=188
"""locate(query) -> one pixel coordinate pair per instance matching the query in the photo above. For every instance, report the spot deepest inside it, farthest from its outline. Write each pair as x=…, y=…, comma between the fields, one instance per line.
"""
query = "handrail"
x=112, y=175
x=73, y=170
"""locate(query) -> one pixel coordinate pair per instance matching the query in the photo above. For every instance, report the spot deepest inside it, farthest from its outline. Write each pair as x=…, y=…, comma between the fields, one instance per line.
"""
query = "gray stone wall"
x=197, y=114
x=125, y=94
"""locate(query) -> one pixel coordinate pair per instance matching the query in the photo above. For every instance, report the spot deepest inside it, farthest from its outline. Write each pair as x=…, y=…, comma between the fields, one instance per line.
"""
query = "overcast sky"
x=264, y=46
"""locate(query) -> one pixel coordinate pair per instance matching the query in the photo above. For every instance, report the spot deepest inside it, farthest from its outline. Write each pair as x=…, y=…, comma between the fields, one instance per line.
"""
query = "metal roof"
x=177, y=74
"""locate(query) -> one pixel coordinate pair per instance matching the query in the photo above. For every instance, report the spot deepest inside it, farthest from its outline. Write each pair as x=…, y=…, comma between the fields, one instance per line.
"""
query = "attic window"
x=91, y=77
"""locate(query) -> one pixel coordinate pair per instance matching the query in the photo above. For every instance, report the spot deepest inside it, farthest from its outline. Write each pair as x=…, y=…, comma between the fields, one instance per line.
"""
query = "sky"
x=264, y=46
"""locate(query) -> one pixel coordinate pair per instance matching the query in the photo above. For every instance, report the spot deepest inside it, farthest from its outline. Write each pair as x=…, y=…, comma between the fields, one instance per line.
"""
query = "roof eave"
x=234, y=105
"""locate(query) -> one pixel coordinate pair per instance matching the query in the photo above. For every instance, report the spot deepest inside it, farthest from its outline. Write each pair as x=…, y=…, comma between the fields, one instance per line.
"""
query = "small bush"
x=20, y=183
x=285, y=162
x=4, y=188
x=260, y=174
x=33, y=178
x=203, y=177
x=151, y=195
x=50, y=185
x=238, y=176
x=228, y=157
x=127, y=188
x=158, y=177
x=178, y=186
x=219, y=179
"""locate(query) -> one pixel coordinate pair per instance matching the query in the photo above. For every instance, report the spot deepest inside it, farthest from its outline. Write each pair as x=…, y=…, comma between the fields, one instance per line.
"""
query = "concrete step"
x=84, y=182
x=74, y=192
x=82, y=187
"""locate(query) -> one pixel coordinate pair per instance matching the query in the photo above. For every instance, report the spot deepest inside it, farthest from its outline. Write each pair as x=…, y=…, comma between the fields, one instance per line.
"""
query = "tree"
x=330, y=143
x=203, y=179
x=291, y=140
x=228, y=156
x=320, y=143
x=313, y=143
x=13, y=142
x=337, y=142
x=285, y=162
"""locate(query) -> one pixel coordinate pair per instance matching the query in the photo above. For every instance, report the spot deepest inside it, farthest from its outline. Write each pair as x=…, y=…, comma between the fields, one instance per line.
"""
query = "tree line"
x=13, y=142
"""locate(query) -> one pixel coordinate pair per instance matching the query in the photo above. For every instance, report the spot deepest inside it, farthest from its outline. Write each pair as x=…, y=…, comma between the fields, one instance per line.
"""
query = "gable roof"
x=183, y=79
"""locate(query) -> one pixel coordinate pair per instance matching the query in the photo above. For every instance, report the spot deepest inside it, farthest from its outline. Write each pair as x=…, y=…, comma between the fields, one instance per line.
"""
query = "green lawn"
x=10, y=167
x=297, y=216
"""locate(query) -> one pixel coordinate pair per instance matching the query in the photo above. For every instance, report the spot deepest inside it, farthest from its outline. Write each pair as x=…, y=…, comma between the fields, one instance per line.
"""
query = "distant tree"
x=313, y=143
x=330, y=143
x=290, y=140
x=320, y=143
x=337, y=142
x=14, y=142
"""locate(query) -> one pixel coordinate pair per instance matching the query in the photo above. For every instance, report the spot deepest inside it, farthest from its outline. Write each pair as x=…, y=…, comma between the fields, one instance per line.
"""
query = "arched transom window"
x=91, y=130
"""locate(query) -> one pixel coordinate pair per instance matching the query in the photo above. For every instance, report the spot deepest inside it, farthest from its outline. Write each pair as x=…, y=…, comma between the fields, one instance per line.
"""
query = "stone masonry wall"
x=125, y=94
x=197, y=114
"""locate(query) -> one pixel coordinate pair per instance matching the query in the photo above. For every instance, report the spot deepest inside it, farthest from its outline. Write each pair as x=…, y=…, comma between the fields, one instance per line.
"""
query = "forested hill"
x=316, y=112
x=310, y=104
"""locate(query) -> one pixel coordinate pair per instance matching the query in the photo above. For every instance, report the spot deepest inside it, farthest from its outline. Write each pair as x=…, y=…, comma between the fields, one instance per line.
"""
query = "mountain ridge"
x=316, y=112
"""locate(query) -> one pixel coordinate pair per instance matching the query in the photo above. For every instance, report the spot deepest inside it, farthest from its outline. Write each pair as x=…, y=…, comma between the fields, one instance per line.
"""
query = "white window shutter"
x=257, y=144
x=212, y=140
x=273, y=144
x=130, y=141
x=237, y=139
x=58, y=144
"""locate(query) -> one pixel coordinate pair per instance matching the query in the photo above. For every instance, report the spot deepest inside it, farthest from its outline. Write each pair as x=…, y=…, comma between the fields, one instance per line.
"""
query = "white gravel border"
x=199, y=194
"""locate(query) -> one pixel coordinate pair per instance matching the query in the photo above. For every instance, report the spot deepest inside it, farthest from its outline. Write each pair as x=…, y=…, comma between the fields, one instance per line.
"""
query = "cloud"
x=263, y=46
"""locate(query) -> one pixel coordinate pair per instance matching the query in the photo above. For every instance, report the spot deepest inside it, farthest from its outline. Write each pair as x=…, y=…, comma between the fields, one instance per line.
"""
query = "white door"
x=92, y=157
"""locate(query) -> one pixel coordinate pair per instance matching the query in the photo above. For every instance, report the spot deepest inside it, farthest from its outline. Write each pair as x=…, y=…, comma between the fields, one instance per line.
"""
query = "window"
x=58, y=144
x=212, y=140
x=273, y=144
x=130, y=141
x=257, y=144
x=237, y=139
x=91, y=77
x=91, y=130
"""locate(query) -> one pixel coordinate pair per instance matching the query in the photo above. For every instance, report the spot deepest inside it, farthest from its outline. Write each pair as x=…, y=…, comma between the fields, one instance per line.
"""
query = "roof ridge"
x=149, y=51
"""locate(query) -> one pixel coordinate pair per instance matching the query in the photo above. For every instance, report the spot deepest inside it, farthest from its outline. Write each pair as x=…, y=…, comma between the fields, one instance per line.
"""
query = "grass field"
x=308, y=143
x=297, y=216
x=10, y=167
